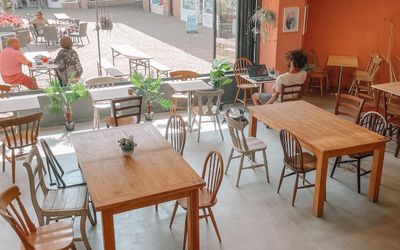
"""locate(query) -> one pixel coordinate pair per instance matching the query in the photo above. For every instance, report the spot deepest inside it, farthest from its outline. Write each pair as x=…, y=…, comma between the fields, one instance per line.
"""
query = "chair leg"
x=229, y=160
x=327, y=84
x=321, y=86
x=335, y=165
x=266, y=164
x=296, y=184
x=83, y=231
x=240, y=170
x=281, y=179
x=88, y=39
x=236, y=97
x=244, y=99
x=94, y=118
x=214, y=223
x=396, y=153
x=73, y=247
x=3, y=154
x=219, y=126
x=205, y=214
x=173, y=214
x=359, y=175
x=13, y=165
x=91, y=213
x=185, y=233
x=199, y=127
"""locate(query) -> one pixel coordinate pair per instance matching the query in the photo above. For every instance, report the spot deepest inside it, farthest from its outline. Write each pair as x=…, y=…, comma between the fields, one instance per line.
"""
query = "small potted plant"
x=61, y=99
x=127, y=145
x=149, y=87
x=218, y=78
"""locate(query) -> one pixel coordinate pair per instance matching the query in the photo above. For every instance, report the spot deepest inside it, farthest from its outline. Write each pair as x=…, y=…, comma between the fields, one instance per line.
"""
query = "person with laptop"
x=297, y=61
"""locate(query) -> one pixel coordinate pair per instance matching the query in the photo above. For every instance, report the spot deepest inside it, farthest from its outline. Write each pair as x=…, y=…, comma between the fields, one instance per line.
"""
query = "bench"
x=110, y=69
x=159, y=68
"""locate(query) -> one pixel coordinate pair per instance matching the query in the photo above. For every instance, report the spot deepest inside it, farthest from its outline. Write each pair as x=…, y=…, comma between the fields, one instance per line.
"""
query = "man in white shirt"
x=297, y=61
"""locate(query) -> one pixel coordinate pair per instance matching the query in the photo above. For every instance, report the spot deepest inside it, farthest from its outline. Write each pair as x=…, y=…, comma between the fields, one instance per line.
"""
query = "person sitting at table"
x=39, y=22
x=11, y=61
x=67, y=61
x=297, y=60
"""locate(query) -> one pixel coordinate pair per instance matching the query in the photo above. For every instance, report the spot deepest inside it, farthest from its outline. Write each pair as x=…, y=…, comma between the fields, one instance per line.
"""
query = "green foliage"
x=127, y=142
x=149, y=87
x=217, y=75
x=61, y=98
x=264, y=21
x=309, y=67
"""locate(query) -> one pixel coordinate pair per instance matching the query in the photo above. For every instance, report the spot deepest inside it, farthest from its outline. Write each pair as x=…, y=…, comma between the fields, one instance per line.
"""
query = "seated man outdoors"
x=297, y=61
x=11, y=61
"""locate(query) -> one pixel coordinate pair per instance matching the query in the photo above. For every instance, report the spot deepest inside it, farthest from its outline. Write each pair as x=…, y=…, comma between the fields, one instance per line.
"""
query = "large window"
x=226, y=30
x=189, y=4
x=208, y=6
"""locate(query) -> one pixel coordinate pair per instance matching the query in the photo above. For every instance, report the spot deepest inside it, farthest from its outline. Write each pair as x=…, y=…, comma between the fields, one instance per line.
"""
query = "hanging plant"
x=264, y=21
x=105, y=20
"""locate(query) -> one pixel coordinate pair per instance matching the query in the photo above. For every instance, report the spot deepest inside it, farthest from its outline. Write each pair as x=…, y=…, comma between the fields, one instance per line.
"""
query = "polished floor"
x=252, y=216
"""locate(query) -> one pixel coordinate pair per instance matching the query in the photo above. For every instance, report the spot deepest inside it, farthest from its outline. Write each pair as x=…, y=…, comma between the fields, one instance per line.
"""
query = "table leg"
x=193, y=220
x=320, y=185
x=108, y=230
x=113, y=57
x=189, y=109
x=340, y=79
x=376, y=172
x=377, y=99
x=253, y=126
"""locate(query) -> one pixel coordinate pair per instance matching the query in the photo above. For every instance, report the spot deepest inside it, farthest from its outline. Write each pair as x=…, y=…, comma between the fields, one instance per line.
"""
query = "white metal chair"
x=82, y=32
x=24, y=38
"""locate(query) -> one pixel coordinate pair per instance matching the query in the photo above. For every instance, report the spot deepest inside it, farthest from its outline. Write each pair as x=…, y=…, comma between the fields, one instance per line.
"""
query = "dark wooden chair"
x=291, y=92
x=55, y=236
x=392, y=114
x=126, y=111
x=20, y=134
x=239, y=69
x=299, y=162
x=4, y=92
x=374, y=122
x=181, y=75
x=213, y=171
x=349, y=106
x=368, y=94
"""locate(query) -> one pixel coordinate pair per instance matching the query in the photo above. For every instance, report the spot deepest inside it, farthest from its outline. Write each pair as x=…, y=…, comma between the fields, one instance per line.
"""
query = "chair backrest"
x=292, y=151
x=50, y=33
x=237, y=135
x=375, y=64
x=127, y=107
x=350, y=106
x=212, y=174
x=183, y=75
x=375, y=122
x=53, y=166
x=14, y=212
x=34, y=31
x=82, y=28
x=291, y=92
x=21, y=131
x=176, y=132
x=24, y=37
x=101, y=82
x=211, y=100
x=4, y=90
x=370, y=62
x=313, y=59
x=240, y=68
x=35, y=169
x=392, y=106
x=366, y=93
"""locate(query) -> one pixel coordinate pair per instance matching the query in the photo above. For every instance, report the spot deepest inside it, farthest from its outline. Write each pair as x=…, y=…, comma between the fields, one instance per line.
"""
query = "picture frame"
x=291, y=19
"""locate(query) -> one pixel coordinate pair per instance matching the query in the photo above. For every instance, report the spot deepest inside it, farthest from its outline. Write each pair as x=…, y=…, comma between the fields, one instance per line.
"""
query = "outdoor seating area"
x=290, y=140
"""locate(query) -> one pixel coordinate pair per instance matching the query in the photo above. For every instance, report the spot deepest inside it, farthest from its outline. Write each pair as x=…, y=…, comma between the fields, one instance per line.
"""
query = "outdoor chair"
x=82, y=32
x=392, y=115
x=55, y=236
x=349, y=106
x=299, y=162
x=126, y=111
x=20, y=134
x=24, y=38
x=4, y=92
x=317, y=73
x=181, y=75
x=246, y=147
x=368, y=75
x=291, y=92
x=100, y=82
x=36, y=36
x=57, y=203
x=239, y=69
x=374, y=122
x=212, y=174
x=206, y=107
x=50, y=34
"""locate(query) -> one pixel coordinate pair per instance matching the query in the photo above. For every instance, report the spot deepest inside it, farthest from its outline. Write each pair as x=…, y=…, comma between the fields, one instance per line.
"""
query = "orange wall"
x=343, y=27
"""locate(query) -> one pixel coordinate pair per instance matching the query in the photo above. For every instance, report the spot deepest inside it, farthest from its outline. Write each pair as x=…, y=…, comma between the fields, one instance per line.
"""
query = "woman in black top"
x=67, y=60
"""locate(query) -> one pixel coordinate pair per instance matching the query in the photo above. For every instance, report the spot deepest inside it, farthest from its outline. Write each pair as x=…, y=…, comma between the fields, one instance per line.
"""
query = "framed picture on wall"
x=291, y=19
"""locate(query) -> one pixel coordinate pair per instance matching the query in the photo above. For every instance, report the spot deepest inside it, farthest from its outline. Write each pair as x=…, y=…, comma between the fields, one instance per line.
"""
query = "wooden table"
x=42, y=69
x=156, y=173
x=391, y=88
x=260, y=83
x=325, y=135
x=136, y=57
x=104, y=94
x=189, y=86
x=19, y=103
x=342, y=62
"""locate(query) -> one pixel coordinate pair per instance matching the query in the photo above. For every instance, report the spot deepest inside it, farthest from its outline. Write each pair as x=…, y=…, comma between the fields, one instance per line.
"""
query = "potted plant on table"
x=149, y=87
x=61, y=99
x=127, y=145
x=218, y=78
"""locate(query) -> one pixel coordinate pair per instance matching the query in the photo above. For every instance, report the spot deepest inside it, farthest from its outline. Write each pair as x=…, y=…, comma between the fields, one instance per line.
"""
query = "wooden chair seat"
x=57, y=235
x=247, y=86
x=180, y=95
x=395, y=120
x=110, y=121
x=254, y=144
x=309, y=162
x=204, y=200
x=6, y=115
x=361, y=73
x=70, y=199
x=371, y=107
x=318, y=74
x=102, y=104
x=362, y=155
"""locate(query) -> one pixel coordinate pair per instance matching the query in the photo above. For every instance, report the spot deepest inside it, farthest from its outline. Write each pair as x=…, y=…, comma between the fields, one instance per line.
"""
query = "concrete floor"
x=253, y=216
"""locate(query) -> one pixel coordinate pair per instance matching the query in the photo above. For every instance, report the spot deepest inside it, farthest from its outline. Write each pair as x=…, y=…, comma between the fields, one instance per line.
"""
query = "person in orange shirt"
x=11, y=61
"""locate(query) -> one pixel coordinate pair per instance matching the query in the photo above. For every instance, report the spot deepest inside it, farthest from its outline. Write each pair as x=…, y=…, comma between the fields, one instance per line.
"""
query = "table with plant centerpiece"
x=42, y=64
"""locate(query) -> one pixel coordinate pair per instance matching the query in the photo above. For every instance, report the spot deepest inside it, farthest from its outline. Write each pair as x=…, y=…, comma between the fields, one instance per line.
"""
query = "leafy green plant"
x=218, y=78
x=264, y=20
x=127, y=143
x=149, y=87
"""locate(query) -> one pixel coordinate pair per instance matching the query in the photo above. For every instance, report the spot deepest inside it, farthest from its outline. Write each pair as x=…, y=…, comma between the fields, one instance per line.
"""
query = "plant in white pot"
x=127, y=145
x=218, y=78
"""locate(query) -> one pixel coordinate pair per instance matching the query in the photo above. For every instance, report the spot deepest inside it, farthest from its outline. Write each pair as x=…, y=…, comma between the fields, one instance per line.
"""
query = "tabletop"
x=185, y=86
x=31, y=55
x=391, y=87
x=155, y=168
x=61, y=16
x=19, y=103
x=247, y=78
x=129, y=51
x=103, y=94
x=317, y=129
x=343, y=61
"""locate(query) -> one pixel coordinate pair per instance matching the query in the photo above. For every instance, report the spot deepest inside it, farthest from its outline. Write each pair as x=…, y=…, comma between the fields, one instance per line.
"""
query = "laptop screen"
x=257, y=70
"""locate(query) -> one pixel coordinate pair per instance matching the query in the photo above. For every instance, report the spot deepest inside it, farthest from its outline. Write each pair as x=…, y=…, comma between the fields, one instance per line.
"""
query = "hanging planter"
x=264, y=21
x=105, y=20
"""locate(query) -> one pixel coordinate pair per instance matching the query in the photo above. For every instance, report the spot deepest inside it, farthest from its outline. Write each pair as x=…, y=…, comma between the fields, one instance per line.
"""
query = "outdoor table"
x=61, y=17
x=258, y=83
x=43, y=69
x=109, y=93
x=154, y=174
x=342, y=62
x=189, y=86
x=19, y=103
x=136, y=57
x=391, y=88
x=325, y=135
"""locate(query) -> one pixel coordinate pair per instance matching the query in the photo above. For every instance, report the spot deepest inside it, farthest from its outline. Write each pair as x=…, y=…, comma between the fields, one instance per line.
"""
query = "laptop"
x=259, y=73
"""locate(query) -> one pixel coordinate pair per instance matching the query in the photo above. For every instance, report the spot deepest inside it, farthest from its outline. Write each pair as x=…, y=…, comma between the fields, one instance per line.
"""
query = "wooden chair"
x=212, y=174
x=126, y=111
x=299, y=162
x=100, y=82
x=181, y=75
x=349, y=106
x=4, y=92
x=368, y=75
x=207, y=109
x=291, y=92
x=57, y=203
x=239, y=69
x=246, y=147
x=20, y=134
x=55, y=236
x=392, y=114
x=374, y=122
x=368, y=94
x=317, y=73
x=81, y=32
